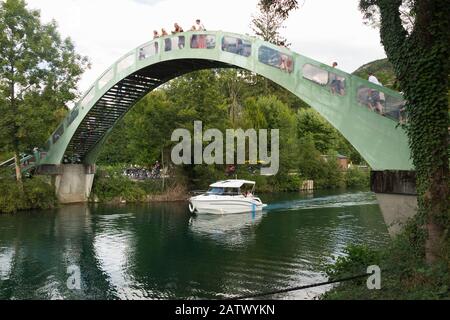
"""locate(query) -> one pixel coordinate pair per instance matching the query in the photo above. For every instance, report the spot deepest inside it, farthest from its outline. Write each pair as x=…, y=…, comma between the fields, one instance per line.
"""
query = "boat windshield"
x=224, y=191
x=215, y=191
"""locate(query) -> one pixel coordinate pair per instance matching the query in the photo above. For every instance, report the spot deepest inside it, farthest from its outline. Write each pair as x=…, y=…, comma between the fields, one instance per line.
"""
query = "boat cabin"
x=232, y=188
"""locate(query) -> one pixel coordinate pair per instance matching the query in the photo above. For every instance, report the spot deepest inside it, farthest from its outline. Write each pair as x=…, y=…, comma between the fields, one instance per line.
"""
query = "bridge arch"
x=344, y=100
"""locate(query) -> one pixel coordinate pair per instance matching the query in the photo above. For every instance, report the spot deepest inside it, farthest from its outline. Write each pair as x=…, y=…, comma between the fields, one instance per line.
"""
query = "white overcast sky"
x=104, y=30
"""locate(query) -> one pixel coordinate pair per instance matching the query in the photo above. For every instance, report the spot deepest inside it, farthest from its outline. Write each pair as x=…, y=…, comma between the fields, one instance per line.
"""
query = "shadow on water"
x=160, y=251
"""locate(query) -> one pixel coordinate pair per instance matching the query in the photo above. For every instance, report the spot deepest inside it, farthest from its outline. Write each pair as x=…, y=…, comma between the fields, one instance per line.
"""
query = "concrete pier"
x=73, y=182
x=74, y=185
x=397, y=197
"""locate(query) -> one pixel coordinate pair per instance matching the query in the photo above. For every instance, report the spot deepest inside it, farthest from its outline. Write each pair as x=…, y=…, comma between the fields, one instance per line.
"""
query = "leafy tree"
x=199, y=96
x=38, y=76
x=326, y=138
x=150, y=127
x=268, y=112
x=282, y=7
x=267, y=24
x=416, y=39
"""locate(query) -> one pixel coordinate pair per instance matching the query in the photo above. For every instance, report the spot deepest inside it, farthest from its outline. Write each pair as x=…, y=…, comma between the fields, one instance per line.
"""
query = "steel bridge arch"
x=379, y=139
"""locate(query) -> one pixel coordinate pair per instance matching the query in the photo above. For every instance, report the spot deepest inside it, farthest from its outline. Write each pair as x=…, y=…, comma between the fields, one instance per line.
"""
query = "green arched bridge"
x=366, y=114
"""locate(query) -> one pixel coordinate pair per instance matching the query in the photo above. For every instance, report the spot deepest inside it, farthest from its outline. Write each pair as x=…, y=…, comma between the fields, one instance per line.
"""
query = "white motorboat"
x=226, y=197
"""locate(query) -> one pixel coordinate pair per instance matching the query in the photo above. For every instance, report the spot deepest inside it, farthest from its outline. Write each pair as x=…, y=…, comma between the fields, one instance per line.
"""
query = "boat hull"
x=224, y=205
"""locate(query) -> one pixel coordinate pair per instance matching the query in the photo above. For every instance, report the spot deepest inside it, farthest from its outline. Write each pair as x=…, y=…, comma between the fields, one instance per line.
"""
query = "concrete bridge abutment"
x=72, y=182
x=397, y=196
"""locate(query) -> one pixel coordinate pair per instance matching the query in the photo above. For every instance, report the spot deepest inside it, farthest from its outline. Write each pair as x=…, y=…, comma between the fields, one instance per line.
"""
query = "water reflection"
x=113, y=245
x=6, y=259
x=230, y=229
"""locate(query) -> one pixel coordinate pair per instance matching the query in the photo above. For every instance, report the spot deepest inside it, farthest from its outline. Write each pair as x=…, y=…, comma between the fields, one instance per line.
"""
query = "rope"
x=298, y=288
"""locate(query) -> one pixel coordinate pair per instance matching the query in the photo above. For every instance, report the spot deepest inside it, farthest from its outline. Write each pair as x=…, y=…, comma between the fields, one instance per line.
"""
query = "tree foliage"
x=281, y=7
x=38, y=76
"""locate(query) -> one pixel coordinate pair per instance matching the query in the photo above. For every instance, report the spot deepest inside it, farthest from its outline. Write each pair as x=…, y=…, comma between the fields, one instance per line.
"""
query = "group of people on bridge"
x=197, y=26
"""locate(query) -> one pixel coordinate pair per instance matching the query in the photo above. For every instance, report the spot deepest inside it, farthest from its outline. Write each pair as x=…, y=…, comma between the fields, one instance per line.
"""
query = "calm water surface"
x=160, y=251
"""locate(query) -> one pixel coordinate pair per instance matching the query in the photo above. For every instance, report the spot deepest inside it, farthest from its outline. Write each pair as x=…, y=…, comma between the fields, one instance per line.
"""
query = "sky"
x=104, y=30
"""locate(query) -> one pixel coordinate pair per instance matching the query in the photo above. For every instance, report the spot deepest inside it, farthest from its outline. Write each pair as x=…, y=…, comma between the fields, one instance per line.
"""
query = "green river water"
x=160, y=251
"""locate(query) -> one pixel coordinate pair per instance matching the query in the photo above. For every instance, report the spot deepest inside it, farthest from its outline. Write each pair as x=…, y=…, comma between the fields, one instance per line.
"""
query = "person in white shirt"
x=374, y=79
x=199, y=26
x=198, y=41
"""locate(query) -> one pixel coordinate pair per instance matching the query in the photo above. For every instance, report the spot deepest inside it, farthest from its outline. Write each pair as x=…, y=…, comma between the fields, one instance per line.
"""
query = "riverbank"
x=404, y=274
x=174, y=193
x=111, y=186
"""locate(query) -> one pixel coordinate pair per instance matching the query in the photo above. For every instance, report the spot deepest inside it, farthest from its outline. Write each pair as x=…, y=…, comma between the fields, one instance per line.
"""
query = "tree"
x=415, y=36
x=38, y=75
x=267, y=24
x=282, y=7
x=326, y=138
x=268, y=112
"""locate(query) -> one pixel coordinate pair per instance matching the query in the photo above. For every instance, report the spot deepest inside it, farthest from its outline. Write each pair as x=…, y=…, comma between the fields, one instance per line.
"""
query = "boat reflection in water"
x=227, y=229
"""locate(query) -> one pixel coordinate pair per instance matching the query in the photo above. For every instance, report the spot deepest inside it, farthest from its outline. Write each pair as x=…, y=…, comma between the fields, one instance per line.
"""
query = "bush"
x=110, y=184
x=404, y=272
x=39, y=193
x=36, y=194
x=356, y=178
x=108, y=187
x=356, y=260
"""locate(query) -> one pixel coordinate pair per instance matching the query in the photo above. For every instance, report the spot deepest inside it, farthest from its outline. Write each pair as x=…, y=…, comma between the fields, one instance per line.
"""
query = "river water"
x=159, y=251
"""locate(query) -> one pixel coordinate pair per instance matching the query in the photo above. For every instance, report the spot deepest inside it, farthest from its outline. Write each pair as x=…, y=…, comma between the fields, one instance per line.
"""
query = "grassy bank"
x=404, y=274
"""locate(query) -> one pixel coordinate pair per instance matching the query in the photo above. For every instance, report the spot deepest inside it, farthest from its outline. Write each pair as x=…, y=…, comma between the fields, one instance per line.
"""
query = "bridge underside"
x=117, y=101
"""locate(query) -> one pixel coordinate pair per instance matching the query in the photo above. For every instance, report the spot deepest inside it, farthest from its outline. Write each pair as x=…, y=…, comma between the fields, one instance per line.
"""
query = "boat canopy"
x=231, y=184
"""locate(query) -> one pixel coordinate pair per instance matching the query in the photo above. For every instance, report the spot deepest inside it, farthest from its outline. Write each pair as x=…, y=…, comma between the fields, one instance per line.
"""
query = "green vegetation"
x=404, y=273
x=37, y=193
x=39, y=72
x=111, y=186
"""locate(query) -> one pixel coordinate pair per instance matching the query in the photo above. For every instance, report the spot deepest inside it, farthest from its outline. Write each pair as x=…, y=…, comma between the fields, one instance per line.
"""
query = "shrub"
x=355, y=261
x=356, y=178
x=36, y=194
x=39, y=193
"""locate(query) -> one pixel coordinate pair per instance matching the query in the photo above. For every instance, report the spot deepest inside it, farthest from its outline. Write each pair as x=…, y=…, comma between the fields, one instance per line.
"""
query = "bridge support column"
x=74, y=183
x=397, y=197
